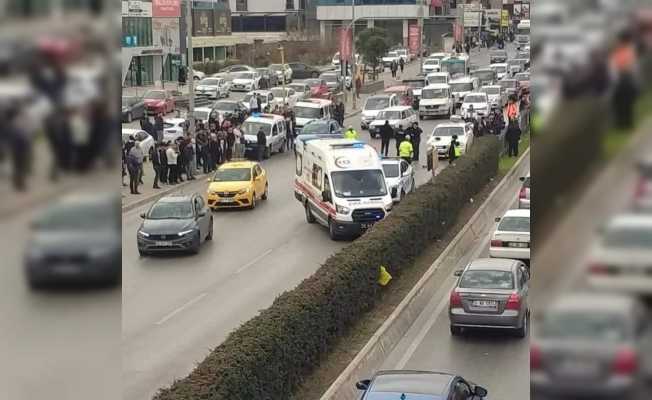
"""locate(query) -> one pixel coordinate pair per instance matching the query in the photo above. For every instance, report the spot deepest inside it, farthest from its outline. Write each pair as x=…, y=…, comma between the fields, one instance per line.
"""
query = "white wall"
x=399, y=11
x=276, y=6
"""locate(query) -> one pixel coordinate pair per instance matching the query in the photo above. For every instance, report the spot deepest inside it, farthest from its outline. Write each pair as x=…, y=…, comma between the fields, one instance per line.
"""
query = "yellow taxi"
x=237, y=184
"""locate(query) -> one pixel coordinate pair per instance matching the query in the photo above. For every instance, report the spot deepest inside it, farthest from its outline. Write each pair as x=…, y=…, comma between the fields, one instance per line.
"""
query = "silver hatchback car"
x=491, y=293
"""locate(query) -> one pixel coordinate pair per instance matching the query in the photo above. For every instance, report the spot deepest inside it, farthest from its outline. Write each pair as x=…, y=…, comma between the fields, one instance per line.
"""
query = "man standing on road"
x=399, y=135
x=405, y=150
x=189, y=159
x=339, y=112
x=351, y=133
x=253, y=104
x=163, y=168
x=513, y=136
x=156, y=164
x=453, y=150
x=415, y=133
x=386, y=133
x=262, y=143
x=158, y=128
x=172, y=155
x=135, y=166
x=401, y=63
x=259, y=103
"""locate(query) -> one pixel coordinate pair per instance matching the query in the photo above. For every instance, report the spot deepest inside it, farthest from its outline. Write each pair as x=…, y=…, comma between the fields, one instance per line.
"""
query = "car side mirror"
x=497, y=219
x=480, y=391
x=142, y=215
x=326, y=196
x=202, y=213
x=363, y=384
x=458, y=273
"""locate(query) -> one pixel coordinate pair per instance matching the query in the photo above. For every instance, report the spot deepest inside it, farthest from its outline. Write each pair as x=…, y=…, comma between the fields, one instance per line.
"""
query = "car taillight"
x=598, y=269
x=535, y=357
x=513, y=302
x=522, y=194
x=497, y=243
x=625, y=362
x=455, y=299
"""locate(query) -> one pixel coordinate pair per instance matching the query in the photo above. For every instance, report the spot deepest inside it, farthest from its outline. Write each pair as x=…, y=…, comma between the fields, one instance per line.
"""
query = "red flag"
x=414, y=36
x=346, y=43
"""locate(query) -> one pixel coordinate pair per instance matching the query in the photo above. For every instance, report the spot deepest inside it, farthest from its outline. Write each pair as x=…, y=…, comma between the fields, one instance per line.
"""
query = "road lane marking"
x=183, y=307
x=254, y=261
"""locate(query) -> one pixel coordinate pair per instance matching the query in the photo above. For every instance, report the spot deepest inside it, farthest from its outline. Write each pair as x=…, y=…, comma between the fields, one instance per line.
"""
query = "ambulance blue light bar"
x=354, y=144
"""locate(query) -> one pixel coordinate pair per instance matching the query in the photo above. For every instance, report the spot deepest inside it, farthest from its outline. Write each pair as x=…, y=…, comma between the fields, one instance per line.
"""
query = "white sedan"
x=173, y=128
x=287, y=95
x=399, y=177
x=512, y=236
x=214, y=88
x=245, y=81
x=478, y=100
x=442, y=136
x=431, y=65
x=144, y=140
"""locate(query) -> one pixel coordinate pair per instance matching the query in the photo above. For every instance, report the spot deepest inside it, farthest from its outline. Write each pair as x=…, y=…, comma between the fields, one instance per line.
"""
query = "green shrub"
x=268, y=356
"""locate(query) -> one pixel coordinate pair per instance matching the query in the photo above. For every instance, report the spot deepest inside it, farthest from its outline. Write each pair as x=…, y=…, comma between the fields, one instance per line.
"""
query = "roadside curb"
x=162, y=193
x=390, y=333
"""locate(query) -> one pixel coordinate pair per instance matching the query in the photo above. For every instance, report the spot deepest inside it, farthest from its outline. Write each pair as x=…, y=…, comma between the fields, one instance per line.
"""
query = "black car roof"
x=416, y=382
x=176, y=198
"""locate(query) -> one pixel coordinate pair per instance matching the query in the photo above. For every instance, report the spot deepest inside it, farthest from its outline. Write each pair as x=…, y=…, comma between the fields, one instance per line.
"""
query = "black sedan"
x=175, y=222
x=422, y=385
x=76, y=241
x=133, y=108
x=303, y=71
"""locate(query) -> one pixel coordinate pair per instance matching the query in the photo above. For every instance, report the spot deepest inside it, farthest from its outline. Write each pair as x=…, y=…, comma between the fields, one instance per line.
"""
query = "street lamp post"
x=190, y=75
x=282, y=50
x=354, y=68
x=421, y=3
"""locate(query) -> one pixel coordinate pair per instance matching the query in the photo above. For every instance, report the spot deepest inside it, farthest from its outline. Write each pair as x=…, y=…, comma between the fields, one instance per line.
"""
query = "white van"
x=375, y=104
x=275, y=129
x=463, y=86
x=398, y=116
x=309, y=110
x=436, y=100
x=341, y=184
x=438, y=77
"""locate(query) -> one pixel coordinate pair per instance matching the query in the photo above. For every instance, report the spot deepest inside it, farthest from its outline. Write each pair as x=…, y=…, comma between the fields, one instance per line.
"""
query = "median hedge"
x=270, y=355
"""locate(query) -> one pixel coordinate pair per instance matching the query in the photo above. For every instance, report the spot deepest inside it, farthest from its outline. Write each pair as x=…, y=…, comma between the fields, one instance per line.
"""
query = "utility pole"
x=354, y=68
x=421, y=3
x=190, y=75
x=282, y=50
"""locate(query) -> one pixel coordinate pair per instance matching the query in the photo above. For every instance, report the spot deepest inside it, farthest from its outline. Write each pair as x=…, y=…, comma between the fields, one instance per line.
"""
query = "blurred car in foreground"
x=133, y=108
x=512, y=236
x=589, y=344
x=524, y=193
x=621, y=260
x=491, y=293
x=237, y=184
x=419, y=385
x=76, y=240
x=175, y=222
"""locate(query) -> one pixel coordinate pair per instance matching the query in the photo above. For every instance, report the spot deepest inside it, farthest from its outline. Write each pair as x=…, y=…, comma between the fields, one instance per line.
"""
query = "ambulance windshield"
x=363, y=183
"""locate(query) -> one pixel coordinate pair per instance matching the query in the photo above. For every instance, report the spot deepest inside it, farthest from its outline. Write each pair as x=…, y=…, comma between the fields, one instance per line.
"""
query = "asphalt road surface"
x=176, y=308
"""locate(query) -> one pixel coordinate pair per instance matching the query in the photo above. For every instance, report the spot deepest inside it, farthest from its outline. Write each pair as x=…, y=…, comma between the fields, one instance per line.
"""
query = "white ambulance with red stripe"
x=341, y=184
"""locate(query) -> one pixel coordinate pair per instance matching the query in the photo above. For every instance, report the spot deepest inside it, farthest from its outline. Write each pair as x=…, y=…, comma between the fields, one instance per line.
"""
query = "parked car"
x=177, y=222
x=303, y=71
x=301, y=89
x=213, y=88
x=283, y=71
x=75, y=240
x=238, y=68
x=333, y=81
x=431, y=65
x=198, y=75
x=227, y=79
x=143, y=140
x=511, y=239
x=375, y=104
x=491, y=293
x=479, y=101
x=392, y=56
x=159, y=102
x=497, y=56
x=404, y=93
x=495, y=94
x=318, y=88
x=133, y=108
x=419, y=385
x=173, y=129
x=287, y=95
x=228, y=108
x=399, y=176
x=590, y=345
x=266, y=99
x=245, y=81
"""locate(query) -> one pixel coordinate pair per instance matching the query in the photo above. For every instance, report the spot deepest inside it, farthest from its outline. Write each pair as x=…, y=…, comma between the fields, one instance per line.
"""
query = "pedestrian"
x=405, y=149
x=483, y=127
x=135, y=166
x=159, y=125
x=453, y=150
x=214, y=151
x=261, y=144
x=156, y=165
x=221, y=146
x=181, y=159
x=513, y=136
x=386, y=133
x=399, y=136
x=401, y=64
x=393, y=67
x=182, y=76
x=253, y=104
x=467, y=47
x=339, y=112
x=189, y=159
x=163, y=171
x=623, y=62
x=259, y=103
x=172, y=156
x=230, y=141
x=351, y=133
x=415, y=133
x=358, y=86
x=239, y=145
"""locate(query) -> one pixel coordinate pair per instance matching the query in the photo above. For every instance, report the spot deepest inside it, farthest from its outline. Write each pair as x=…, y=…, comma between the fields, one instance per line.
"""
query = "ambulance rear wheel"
x=309, y=217
x=332, y=232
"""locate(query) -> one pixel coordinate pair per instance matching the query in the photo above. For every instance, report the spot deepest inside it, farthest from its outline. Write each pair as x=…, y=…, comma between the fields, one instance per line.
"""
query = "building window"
x=198, y=54
x=209, y=53
x=139, y=28
x=241, y=5
x=202, y=23
x=289, y=4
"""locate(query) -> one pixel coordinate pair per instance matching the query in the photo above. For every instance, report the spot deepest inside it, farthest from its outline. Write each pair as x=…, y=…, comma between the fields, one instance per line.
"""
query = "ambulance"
x=341, y=184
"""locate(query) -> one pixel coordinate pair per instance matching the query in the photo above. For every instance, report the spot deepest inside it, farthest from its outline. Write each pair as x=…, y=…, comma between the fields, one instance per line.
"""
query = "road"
x=175, y=309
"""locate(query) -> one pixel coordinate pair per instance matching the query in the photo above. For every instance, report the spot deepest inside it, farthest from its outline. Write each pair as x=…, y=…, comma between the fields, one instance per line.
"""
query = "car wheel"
x=266, y=194
x=210, y=232
x=309, y=217
x=130, y=117
x=522, y=331
x=331, y=230
x=196, y=246
x=456, y=330
x=253, y=201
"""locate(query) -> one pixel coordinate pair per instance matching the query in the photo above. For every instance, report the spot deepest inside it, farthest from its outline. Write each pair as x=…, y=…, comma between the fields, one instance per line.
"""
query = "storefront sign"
x=166, y=8
x=504, y=19
x=165, y=32
x=472, y=18
x=414, y=37
x=136, y=9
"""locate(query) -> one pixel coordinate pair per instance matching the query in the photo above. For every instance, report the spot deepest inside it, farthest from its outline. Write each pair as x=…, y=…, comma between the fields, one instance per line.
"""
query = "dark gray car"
x=175, y=222
x=491, y=293
x=133, y=108
x=77, y=240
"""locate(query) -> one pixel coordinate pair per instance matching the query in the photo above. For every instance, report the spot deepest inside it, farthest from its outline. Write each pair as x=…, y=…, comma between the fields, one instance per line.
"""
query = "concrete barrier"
x=399, y=322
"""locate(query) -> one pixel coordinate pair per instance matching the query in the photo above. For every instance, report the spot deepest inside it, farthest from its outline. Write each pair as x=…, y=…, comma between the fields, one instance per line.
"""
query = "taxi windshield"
x=232, y=175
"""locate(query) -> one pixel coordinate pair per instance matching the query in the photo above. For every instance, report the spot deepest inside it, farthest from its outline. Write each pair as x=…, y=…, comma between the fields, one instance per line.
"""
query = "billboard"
x=165, y=33
x=166, y=8
x=472, y=18
x=134, y=8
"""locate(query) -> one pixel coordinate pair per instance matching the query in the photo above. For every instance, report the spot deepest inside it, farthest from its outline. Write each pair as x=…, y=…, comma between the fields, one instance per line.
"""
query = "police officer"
x=453, y=150
x=405, y=150
x=351, y=133
x=386, y=133
x=262, y=143
x=415, y=133
x=400, y=136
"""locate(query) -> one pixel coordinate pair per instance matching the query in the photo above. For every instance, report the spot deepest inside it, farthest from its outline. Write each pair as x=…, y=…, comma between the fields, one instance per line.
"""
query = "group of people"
x=395, y=66
x=407, y=141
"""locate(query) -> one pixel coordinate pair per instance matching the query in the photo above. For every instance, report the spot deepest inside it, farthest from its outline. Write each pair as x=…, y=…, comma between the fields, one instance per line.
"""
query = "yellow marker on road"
x=384, y=277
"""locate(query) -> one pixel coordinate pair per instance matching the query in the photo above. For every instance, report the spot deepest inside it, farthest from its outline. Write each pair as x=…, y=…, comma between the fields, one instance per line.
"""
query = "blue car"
x=320, y=129
x=419, y=385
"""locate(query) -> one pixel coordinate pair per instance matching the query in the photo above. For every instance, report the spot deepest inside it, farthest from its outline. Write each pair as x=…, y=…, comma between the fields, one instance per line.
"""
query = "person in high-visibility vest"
x=454, y=151
x=623, y=62
x=405, y=150
x=351, y=134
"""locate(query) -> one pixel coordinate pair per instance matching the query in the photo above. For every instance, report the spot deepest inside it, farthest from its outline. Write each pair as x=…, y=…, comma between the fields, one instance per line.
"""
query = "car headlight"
x=342, y=210
x=143, y=234
x=243, y=191
x=184, y=233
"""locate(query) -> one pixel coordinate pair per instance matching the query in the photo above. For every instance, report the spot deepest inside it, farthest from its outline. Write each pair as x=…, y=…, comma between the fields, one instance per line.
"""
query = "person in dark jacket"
x=188, y=157
x=399, y=135
x=163, y=169
x=513, y=136
x=262, y=144
x=386, y=133
x=158, y=128
x=259, y=103
x=401, y=63
x=214, y=152
x=156, y=165
x=452, y=154
x=230, y=141
x=415, y=136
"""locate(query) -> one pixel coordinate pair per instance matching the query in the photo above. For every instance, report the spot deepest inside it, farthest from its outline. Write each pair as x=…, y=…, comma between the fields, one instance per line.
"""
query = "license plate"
x=518, y=245
x=579, y=368
x=485, y=303
x=227, y=201
x=163, y=244
x=67, y=269
x=366, y=225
